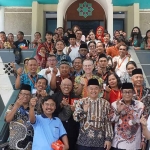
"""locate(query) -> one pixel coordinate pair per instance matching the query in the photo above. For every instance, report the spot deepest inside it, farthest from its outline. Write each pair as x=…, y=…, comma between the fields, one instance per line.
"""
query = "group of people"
x=89, y=95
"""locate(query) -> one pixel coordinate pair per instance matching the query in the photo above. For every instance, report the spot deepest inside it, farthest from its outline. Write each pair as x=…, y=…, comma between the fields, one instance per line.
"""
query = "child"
x=47, y=129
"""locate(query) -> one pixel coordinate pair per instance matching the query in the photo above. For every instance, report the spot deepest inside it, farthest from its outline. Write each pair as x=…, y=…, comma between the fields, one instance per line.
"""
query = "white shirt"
x=48, y=76
x=121, y=64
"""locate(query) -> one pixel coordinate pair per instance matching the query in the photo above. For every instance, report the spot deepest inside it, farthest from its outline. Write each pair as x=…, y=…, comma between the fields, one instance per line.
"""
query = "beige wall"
x=18, y=19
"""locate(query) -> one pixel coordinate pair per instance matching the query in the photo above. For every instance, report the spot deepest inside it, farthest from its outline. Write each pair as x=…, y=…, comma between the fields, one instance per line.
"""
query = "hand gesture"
x=13, y=65
x=69, y=50
x=143, y=145
x=85, y=107
x=55, y=70
x=33, y=102
x=43, y=93
x=107, y=145
x=82, y=81
x=143, y=120
x=19, y=71
x=107, y=89
x=47, y=71
x=65, y=101
x=19, y=102
x=120, y=106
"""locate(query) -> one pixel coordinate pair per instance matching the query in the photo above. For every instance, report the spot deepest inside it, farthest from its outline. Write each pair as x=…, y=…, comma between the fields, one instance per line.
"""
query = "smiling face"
x=92, y=46
x=112, y=81
x=32, y=66
x=52, y=61
x=130, y=68
x=92, y=36
x=43, y=50
x=66, y=86
x=77, y=64
x=64, y=70
x=137, y=80
x=93, y=91
x=103, y=62
x=41, y=85
x=59, y=46
x=127, y=95
x=88, y=66
x=99, y=47
x=48, y=107
x=122, y=51
x=25, y=96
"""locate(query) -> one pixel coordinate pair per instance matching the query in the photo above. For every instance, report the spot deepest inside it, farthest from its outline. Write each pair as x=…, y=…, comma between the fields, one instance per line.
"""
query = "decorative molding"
x=18, y=12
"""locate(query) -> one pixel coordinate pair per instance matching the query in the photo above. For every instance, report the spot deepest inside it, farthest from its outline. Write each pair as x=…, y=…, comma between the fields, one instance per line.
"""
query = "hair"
x=123, y=44
x=32, y=58
x=116, y=31
x=75, y=26
x=55, y=34
x=42, y=78
x=92, y=42
x=119, y=84
x=131, y=63
x=60, y=41
x=78, y=30
x=107, y=34
x=51, y=55
x=21, y=33
x=49, y=32
x=139, y=36
x=46, y=98
x=37, y=33
x=89, y=60
x=145, y=38
x=2, y=32
x=78, y=58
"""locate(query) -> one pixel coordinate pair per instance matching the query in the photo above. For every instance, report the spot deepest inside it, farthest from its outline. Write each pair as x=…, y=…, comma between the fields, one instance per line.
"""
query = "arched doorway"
x=87, y=14
x=63, y=6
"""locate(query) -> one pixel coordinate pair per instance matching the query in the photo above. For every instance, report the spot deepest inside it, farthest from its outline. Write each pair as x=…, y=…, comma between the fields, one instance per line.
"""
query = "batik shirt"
x=145, y=99
x=128, y=134
x=95, y=126
x=21, y=131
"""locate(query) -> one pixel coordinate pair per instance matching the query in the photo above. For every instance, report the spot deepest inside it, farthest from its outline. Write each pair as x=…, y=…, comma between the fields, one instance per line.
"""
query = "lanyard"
x=119, y=94
x=119, y=65
x=140, y=96
x=32, y=79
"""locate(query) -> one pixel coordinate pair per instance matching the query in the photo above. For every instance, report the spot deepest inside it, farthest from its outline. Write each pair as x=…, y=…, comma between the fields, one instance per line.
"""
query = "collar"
x=32, y=75
x=60, y=55
x=44, y=116
x=93, y=101
x=132, y=102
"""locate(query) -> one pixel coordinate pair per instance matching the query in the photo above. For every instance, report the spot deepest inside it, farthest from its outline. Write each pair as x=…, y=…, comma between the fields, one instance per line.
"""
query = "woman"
x=112, y=89
x=107, y=41
x=136, y=39
x=41, y=56
x=130, y=66
x=100, y=33
x=10, y=41
x=92, y=37
x=147, y=40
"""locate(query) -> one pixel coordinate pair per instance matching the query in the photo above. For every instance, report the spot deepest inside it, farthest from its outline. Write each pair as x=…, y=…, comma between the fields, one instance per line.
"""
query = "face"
x=60, y=31
x=10, y=37
x=112, y=81
x=75, y=29
x=77, y=64
x=99, y=48
x=148, y=34
x=137, y=79
x=122, y=51
x=43, y=50
x=66, y=86
x=64, y=70
x=88, y=66
x=2, y=36
x=93, y=91
x=127, y=95
x=19, y=36
x=60, y=46
x=92, y=46
x=99, y=31
x=92, y=36
x=25, y=96
x=55, y=37
x=103, y=62
x=52, y=62
x=32, y=66
x=78, y=35
x=48, y=37
x=83, y=51
x=37, y=36
x=106, y=38
x=117, y=34
x=136, y=30
x=26, y=63
x=72, y=41
x=130, y=68
x=40, y=85
x=49, y=107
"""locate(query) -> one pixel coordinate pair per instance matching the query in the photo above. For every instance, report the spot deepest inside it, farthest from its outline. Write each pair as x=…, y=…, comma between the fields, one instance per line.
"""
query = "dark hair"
x=2, y=32
x=75, y=26
x=139, y=36
x=119, y=84
x=38, y=33
x=49, y=32
x=50, y=55
x=10, y=34
x=145, y=38
x=123, y=44
x=92, y=42
x=55, y=34
x=46, y=98
x=115, y=32
x=107, y=34
x=21, y=33
x=60, y=41
x=120, y=39
x=78, y=30
x=60, y=28
x=41, y=79
x=131, y=63
x=78, y=58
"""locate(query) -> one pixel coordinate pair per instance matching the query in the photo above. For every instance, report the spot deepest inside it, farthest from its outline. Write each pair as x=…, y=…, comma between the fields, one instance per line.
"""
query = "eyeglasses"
x=24, y=94
x=129, y=92
x=87, y=66
x=51, y=60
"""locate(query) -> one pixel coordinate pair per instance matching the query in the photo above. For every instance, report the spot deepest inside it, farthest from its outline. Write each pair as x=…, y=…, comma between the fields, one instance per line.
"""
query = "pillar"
x=1, y=18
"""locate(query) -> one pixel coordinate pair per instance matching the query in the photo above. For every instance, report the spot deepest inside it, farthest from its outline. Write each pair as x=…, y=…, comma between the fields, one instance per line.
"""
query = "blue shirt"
x=46, y=131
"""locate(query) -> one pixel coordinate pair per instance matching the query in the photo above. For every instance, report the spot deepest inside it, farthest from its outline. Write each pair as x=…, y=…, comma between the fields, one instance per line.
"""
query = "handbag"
x=57, y=145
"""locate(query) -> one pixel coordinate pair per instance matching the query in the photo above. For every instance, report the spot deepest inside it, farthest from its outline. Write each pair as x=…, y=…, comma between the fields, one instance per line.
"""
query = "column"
x=1, y=18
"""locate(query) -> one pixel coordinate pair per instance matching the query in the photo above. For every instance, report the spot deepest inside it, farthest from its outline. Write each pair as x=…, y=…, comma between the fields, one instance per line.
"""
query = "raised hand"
x=19, y=71
x=19, y=102
x=47, y=71
x=33, y=102
x=65, y=101
x=107, y=145
x=120, y=106
x=43, y=93
x=69, y=50
x=55, y=70
x=82, y=81
x=143, y=120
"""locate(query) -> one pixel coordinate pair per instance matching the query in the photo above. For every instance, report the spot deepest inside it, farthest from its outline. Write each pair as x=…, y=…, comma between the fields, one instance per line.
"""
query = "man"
x=81, y=81
x=78, y=34
x=141, y=93
x=60, y=32
x=21, y=43
x=3, y=39
x=72, y=50
x=121, y=60
x=59, y=54
x=77, y=66
x=47, y=73
x=29, y=78
x=126, y=114
x=47, y=129
x=21, y=132
x=92, y=112
x=65, y=101
x=83, y=51
x=64, y=69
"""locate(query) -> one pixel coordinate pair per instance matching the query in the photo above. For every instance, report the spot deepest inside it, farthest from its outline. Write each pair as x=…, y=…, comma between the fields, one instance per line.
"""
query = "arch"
x=106, y=4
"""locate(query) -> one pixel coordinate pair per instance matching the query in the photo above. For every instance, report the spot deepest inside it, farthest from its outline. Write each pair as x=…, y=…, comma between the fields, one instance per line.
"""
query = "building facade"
x=43, y=15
